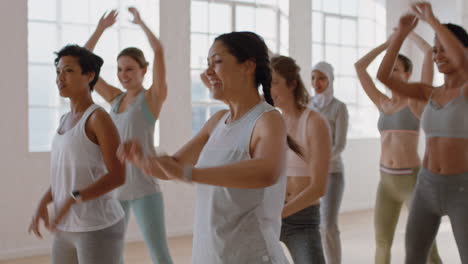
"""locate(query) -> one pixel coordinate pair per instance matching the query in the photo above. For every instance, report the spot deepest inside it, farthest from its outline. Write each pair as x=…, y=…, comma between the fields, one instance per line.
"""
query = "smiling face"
x=399, y=71
x=70, y=80
x=224, y=72
x=319, y=82
x=129, y=72
x=440, y=58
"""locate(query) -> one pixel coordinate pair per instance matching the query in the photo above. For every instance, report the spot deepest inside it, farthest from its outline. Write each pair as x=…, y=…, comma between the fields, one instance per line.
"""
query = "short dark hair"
x=407, y=64
x=89, y=62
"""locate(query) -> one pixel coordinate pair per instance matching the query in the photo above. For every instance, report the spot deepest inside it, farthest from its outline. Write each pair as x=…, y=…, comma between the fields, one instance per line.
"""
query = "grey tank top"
x=137, y=122
x=450, y=121
x=403, y=120
x=233, y=225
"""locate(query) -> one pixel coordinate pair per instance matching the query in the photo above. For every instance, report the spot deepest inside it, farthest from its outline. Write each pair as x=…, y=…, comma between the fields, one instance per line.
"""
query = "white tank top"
x=76, y=163
x=138, y=122
x=237, y=225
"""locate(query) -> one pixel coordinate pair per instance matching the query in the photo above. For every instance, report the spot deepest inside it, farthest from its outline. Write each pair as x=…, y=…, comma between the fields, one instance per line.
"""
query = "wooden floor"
x=356, y=233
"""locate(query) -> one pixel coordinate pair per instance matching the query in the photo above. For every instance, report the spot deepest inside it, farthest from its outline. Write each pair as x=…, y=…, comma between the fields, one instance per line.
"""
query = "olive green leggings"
x=392, y=193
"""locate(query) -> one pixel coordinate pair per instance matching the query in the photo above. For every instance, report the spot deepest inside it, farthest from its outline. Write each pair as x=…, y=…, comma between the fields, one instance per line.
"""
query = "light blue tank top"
x=234, y=226
x=450, y=121
x=401, y=120
x=137, y=122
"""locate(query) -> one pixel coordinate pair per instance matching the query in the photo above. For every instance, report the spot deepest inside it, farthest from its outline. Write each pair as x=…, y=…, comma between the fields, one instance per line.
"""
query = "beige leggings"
x=392, y=193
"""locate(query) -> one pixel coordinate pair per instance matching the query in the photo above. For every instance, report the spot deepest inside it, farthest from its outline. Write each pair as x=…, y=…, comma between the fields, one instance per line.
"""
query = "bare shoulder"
x=316, y=122
x=213, y=121
x=270, y=120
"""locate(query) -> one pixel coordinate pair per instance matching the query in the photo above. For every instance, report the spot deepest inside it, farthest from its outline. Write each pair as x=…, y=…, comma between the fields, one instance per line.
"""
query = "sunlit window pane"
x=42, y=88
x=331, y=6
x=199, y=16
x=221, y=14
x=348, y=32
x=332, y=29
x=199, y=91
x=199, y=50
x=42, y=10
x=349, y=7
x=317, y=27
x=75, y=11
x=265, y=21
x=43, y=48
x=245, y=18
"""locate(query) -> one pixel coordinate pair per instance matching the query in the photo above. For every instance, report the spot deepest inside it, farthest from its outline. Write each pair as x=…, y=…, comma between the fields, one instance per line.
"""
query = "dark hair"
x=289, y=70
x=407, y=64
x=246, y=46
x=89, y=62
x=459, y=32
x=250, y=46
x=136, y=54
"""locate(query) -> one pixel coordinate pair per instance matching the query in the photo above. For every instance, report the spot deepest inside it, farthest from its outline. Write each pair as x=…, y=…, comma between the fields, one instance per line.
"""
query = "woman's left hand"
x=423, y=11
x=61, y=213
x=173, y=169
x=136, y=16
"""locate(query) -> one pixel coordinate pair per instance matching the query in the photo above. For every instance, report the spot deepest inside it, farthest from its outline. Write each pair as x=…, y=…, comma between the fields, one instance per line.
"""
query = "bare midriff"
x=399, y=149
x=446, y=155
x=295, y=185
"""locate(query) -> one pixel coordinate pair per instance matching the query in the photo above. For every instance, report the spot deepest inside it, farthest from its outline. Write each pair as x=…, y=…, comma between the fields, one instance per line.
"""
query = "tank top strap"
x=251, y=120
x=86, y=114
x=116, y=103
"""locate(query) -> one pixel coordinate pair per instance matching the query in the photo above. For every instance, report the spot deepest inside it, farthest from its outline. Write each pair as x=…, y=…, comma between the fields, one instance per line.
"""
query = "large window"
x=268, y=18
x=55, y=23
x=343, y=31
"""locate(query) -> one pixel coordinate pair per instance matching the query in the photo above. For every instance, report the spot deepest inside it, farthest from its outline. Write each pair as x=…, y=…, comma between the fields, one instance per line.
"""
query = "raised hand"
x=41, y=214
x=108, y=19
x=136, y=16
x=423, y=11
x=407, y=23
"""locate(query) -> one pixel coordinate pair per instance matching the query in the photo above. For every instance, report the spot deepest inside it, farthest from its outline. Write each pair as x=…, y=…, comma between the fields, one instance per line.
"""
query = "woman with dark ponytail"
x=237, y=159
x=307, y=175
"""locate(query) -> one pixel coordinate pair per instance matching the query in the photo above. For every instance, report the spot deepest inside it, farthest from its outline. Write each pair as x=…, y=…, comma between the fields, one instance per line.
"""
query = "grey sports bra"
x=450, y=121
x=402, y=120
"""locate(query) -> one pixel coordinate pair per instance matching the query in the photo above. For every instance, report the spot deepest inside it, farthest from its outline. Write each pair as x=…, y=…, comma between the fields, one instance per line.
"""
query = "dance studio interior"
x=181, y=213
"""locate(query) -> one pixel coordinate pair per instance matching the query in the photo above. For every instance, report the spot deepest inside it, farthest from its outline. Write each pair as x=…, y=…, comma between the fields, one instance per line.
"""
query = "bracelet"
x=187, y=173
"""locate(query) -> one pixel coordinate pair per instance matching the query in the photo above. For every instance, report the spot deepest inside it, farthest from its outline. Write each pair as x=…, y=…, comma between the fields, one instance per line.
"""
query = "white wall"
x=25, y=176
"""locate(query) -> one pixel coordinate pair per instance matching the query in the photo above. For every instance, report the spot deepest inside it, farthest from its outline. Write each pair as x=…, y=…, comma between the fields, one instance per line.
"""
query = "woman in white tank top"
x=307, y=175
x=237, y=160
x=84, y=169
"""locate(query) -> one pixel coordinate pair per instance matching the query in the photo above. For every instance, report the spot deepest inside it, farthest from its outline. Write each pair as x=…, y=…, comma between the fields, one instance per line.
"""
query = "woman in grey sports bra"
x=399, y=160
x=134, y=112
x=237, y=159
x=442, y=183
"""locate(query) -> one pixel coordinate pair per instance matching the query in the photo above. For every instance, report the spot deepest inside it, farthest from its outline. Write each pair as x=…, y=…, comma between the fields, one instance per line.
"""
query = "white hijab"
x=323, y=99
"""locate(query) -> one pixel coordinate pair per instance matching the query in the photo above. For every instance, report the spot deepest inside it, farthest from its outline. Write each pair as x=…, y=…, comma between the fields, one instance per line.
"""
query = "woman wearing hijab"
x=336, y=113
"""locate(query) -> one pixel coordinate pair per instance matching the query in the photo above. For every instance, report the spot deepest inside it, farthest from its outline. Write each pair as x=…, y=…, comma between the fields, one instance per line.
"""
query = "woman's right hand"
x=407, y=23
x=108, y=19
x=423, y=11
x=131, y=151
x=40, y=214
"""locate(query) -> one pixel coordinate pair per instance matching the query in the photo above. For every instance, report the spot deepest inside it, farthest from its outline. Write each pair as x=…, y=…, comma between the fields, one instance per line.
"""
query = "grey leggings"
x=301, y=235
x=96, y=247
x=329, y=210
x=437, y=195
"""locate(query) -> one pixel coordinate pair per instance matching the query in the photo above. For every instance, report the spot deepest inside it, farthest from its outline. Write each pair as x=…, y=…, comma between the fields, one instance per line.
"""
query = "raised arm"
x=366, y=80
x=427, y=73
x=417, y=91
x=319, y=156
x=455, y=50
x=157, y=93
x=107, y=91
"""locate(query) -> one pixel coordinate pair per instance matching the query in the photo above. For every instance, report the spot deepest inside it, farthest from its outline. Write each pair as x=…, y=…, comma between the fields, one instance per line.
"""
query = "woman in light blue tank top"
x=399, y=159
x=442, y=183
x=237, y=160
x=135, y=112
x=88, y=225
